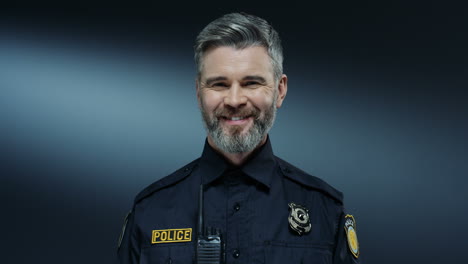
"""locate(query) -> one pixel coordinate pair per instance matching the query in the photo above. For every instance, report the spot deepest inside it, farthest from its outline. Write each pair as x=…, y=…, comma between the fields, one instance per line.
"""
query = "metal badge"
x=299, y=219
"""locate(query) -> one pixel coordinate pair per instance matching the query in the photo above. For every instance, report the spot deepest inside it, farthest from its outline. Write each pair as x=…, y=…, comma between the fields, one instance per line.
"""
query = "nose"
x=235, y=96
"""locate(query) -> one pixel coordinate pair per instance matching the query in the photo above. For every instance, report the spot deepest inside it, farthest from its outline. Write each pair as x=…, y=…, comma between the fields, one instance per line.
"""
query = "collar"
x=260, y=166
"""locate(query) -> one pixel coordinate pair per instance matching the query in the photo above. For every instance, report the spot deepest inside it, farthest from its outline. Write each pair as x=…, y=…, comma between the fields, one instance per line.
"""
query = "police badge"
x=298, y=219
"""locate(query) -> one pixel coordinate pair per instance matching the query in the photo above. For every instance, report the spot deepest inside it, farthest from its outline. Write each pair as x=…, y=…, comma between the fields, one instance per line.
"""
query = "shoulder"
x=302, y=178
x=167, y=181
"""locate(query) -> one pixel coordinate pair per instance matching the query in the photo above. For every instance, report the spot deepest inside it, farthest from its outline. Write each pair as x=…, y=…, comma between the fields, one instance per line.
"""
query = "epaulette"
x=308, y=180
x=173, y=178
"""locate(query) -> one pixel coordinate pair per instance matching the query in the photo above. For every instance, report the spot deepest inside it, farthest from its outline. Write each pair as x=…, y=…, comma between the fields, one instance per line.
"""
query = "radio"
x=210, y=248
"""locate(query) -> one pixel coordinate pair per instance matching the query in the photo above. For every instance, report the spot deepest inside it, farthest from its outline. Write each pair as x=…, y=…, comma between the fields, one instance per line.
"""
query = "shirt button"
x=237, y=207
x=236, y=253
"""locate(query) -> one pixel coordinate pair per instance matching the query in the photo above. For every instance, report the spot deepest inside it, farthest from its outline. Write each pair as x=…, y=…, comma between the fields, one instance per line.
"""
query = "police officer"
x=266, y=210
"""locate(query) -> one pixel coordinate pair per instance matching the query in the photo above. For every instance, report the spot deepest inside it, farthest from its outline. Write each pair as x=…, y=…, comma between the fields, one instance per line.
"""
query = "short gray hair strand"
x=240, y=30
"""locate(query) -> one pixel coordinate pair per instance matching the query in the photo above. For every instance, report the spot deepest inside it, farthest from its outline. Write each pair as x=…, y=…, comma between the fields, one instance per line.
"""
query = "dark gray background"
x=97, y=101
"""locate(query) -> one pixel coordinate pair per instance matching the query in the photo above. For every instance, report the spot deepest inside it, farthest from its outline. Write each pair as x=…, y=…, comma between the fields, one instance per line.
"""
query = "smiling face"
x=238, y=97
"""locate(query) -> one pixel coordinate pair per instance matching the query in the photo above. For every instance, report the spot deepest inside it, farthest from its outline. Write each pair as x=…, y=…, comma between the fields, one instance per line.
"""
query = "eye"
x=251, y=83
x=219, y=84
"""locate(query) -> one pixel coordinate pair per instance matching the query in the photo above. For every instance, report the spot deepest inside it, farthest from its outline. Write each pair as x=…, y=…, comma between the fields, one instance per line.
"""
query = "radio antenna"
x=200, y=211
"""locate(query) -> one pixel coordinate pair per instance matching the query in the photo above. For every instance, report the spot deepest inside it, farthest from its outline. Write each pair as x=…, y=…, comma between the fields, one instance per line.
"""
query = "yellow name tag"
x=171, y=235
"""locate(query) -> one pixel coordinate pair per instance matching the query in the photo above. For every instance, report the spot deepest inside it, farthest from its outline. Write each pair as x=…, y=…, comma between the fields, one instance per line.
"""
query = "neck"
x=236, y=159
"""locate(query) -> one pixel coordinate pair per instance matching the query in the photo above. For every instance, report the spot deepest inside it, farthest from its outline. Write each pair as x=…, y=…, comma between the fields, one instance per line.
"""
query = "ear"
x=282, y=90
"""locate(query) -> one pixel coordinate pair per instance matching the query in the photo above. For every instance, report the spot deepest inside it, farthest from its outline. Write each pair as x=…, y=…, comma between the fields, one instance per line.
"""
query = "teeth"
x=236, y=118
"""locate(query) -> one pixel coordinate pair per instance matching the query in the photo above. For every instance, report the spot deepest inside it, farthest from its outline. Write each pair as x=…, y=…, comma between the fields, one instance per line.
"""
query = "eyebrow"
x=215, y=79
x=254, y=78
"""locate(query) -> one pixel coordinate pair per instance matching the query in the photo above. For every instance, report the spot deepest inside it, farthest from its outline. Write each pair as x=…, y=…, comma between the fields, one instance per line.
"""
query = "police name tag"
x=171, y=235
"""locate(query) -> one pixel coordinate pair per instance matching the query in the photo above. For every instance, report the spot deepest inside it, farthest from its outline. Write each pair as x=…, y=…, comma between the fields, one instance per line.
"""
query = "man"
x=262, y=209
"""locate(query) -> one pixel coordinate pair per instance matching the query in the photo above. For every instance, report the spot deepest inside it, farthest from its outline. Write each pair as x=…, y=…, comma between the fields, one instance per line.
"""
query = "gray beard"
x=237, y=142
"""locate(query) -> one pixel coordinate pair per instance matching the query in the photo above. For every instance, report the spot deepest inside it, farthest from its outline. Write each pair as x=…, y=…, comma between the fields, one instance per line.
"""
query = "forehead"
x=233, y=63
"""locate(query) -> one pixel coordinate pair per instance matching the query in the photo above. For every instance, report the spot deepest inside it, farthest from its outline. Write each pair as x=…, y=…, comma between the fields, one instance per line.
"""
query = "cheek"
x=210, y=101
x=263, y=100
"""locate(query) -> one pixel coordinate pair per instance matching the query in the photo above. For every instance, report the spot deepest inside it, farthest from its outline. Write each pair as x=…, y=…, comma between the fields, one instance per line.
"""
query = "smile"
x=236, y=120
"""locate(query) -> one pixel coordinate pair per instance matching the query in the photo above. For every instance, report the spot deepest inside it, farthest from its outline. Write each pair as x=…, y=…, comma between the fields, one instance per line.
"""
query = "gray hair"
x=240, y=31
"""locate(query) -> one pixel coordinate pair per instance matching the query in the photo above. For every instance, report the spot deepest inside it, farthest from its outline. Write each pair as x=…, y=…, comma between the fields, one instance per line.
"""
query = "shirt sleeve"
x=343, y=254
x=128, y=251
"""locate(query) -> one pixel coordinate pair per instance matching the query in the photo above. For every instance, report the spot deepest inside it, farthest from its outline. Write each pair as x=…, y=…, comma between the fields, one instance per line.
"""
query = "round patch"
x=352, y=241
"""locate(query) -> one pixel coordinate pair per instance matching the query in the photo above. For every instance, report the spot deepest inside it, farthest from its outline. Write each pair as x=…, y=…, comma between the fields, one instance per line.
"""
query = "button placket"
x=238, y=231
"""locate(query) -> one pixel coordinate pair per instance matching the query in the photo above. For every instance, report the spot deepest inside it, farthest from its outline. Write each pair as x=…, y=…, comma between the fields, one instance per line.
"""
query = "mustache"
x=230, y=112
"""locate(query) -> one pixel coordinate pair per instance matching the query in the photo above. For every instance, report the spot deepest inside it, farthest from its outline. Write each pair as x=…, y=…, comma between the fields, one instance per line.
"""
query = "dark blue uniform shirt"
x=249, y=204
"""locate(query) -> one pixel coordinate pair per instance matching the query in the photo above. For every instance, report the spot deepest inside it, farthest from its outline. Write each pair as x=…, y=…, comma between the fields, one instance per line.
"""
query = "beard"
x=233, y=140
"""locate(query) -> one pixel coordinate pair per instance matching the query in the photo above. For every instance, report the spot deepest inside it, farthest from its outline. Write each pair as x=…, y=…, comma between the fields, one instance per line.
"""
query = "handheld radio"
x=210, y=248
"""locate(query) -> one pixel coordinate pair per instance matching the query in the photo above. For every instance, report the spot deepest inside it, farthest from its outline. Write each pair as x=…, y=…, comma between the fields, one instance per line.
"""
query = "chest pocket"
x=277, y=252
x=183, y=253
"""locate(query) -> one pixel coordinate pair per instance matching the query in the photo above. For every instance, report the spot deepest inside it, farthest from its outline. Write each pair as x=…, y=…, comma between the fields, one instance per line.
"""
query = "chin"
x=236, y=131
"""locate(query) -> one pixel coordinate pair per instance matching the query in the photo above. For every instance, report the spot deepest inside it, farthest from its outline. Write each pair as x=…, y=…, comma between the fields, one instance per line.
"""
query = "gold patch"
x=350, y=227
x=171, y=235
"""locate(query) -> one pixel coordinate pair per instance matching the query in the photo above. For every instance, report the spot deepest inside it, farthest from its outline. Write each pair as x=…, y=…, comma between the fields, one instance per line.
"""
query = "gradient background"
x=98, y=100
